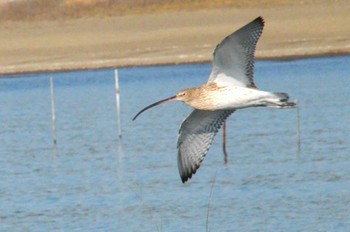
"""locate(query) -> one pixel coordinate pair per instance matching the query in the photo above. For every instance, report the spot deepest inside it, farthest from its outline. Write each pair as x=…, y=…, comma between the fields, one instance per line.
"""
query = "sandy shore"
x=292, y=30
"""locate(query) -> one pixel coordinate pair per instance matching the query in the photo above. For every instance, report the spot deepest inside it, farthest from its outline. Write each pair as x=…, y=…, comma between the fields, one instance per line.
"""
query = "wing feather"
x=195, y=137
x=233, y=62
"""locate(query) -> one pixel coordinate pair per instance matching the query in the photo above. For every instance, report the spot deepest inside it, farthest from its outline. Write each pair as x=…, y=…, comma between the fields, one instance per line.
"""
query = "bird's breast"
x=225, y=98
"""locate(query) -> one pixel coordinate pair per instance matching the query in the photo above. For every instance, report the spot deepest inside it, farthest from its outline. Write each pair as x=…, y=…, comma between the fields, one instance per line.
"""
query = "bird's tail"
x=281, y=101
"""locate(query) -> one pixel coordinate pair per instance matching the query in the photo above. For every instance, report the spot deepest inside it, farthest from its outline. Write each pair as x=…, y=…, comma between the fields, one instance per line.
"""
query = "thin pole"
x=116, y=77
x=298, y=129
x=53, y=113
x=224, y=142
x=209, y=201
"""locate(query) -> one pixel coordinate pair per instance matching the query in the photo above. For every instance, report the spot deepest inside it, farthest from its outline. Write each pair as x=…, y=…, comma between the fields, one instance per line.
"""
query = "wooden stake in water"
x=298, y=129
x=53, y=114
x=116, y=77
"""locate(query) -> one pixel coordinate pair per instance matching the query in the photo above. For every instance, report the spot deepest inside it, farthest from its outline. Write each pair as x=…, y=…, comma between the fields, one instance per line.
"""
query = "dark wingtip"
x=188, y=176
x=184, y=179
x=261, y=19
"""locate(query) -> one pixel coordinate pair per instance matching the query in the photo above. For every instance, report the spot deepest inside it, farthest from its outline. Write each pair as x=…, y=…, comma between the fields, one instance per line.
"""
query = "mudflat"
x=171, y=37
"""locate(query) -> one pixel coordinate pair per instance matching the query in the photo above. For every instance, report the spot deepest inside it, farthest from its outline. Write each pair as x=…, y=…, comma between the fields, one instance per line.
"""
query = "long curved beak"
x=155, y=104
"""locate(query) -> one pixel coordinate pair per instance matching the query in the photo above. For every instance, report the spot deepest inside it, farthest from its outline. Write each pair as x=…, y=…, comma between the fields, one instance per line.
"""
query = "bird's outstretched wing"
x=233, y=62
x=195, y=137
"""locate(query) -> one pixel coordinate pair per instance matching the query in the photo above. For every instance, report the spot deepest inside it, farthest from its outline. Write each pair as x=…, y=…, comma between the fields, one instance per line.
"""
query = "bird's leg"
x=224, y=142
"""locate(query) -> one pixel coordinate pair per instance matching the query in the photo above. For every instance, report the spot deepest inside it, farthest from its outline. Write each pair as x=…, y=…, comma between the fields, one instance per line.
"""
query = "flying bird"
x=230, y=87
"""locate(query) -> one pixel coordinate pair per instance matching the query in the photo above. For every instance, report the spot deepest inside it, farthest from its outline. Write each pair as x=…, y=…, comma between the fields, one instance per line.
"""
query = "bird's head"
x=186, y=95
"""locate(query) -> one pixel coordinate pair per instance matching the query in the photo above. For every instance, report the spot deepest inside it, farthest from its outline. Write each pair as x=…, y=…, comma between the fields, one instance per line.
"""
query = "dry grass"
x=60, y=9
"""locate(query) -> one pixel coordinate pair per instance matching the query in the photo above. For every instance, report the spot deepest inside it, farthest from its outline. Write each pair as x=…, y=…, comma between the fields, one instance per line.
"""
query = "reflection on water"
x=92, y=181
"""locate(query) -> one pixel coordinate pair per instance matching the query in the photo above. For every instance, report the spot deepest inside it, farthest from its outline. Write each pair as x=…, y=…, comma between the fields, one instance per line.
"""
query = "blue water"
x=92, y=181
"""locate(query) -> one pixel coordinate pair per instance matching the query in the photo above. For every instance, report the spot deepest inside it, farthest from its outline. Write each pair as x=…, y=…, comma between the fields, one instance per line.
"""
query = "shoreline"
x=292, y=31
x=86, y=68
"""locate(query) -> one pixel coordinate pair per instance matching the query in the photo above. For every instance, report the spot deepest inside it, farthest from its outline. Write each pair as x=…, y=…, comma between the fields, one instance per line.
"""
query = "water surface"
x=92, y=181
